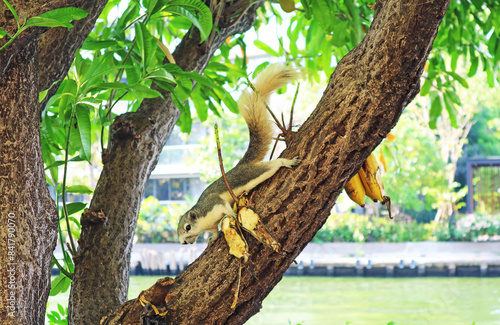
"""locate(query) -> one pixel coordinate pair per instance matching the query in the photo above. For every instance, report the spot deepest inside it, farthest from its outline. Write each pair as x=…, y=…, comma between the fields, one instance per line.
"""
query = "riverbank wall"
x=411, y=259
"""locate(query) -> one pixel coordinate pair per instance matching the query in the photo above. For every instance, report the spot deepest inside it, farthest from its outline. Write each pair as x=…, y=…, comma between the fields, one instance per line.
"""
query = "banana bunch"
x=368, y=182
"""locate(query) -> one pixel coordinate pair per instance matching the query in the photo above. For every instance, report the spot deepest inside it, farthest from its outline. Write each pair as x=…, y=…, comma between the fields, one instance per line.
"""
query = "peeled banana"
x=355, y=190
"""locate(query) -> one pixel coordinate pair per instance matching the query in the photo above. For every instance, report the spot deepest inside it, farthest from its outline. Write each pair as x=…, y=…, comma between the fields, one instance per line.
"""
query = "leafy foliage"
x=61, y=17
x=59, y=317
x=157, y=223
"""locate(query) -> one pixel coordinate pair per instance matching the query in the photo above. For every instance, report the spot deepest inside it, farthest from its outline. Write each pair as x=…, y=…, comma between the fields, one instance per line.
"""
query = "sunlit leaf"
x=266, y=48
x=435, y=111
x=60, y=17
x=75, y=207
x=81, y=189
x=187, y=8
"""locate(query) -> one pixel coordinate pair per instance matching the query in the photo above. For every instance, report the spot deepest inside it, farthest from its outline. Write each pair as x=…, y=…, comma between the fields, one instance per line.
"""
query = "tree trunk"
x=103, y=259
x=37, y=58
x=362, y=102
x=28, y=215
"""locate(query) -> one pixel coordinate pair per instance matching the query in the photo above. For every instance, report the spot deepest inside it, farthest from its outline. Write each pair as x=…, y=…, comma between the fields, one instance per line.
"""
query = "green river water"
x=373, y=301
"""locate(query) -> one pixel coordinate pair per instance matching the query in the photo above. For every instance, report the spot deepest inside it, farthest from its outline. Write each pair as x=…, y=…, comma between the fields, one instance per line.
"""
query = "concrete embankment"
x=345, y=259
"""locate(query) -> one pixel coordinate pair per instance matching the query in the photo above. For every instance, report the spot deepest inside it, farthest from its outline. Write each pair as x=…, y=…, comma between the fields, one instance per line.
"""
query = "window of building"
x=174, y=189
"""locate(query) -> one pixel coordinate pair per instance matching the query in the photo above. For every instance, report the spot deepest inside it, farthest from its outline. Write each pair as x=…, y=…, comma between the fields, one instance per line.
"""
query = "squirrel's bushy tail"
x=253, y=109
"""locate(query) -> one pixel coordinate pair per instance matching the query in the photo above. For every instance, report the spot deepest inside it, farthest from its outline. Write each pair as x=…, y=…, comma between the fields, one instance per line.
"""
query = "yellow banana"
x=354, y=188
x=371, y=178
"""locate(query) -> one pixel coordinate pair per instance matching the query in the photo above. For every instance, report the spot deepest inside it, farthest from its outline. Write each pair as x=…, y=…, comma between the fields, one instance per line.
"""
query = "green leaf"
x=340, y=30
x=200, y=103
x=216, y=66
x=68, y=97
x=151, y=7
x=61, y=309
x=133, y=74
x=69, y=264
x=450, y=108
x=80, y=137
x=161, y=74
x=186, y=8
x=307, y=7
x=435, y=111
x=227, y=99
x=60, y=17
x=76, y=221
x=45, y=22
x=458, y=78
x=60, y=284
x=322, y=13
x=453, y=97
x=66, y=14
x=185, y=121
x=43, y=93
x=261, y=67
x=48, y=157
x=61, y=162
x=2, y=32
x=74, y=207
x=81, y=189
x=474, y=63
x=426, y=87
x=490, y=77
x=146, y=44
x=97, y=68
x=266, y=48
x=108, y=85
x=454, y=61
x=145, y=92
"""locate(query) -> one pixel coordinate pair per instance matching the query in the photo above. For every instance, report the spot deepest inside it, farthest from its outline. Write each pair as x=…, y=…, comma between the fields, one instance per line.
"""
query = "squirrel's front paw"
x=292, y=162
x=213, y=238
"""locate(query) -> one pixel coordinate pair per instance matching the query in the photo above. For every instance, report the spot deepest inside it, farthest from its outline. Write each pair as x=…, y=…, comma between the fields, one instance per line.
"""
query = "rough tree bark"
x=27, y=213
x=362, y=102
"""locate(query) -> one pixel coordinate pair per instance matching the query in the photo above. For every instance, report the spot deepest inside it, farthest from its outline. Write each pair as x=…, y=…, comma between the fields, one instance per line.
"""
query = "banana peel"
x=371, y=177
x=234, y=238
x=250, y=221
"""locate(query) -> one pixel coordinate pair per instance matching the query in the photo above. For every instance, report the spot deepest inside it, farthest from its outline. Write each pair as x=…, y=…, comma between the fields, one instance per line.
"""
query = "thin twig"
x=65, y=173
x=219, y=152
x=293, y=106
x=274, y=147
x=59, y=266
x=236, y=294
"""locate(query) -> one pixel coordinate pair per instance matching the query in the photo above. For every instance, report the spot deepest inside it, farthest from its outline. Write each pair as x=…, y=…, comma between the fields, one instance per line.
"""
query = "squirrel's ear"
x=192, y=215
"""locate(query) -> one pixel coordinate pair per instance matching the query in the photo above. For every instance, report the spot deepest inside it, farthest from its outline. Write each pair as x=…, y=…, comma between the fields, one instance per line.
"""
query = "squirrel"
x=216, y=202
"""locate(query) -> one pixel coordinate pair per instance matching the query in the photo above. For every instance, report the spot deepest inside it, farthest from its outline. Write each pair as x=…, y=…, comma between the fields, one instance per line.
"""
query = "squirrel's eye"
x=188, y=227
